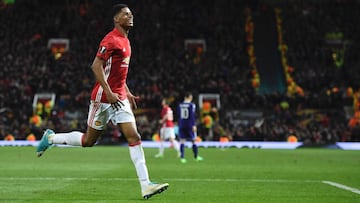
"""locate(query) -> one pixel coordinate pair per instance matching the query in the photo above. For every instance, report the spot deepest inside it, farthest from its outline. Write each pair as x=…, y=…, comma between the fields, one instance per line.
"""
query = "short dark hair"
x=165, y=100
x=117, y=8
x=187, y=94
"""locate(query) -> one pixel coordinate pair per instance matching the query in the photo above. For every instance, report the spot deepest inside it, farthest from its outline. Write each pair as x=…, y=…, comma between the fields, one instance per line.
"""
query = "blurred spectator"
x=28, y=66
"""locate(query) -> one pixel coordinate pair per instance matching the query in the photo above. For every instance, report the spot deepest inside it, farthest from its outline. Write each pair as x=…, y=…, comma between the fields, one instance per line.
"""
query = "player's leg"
x=161, y=149
x=196, y=151
x=170, y=134
x=136, y=151
x=97, y=119
x=161, y=143
x=183, y=132
x=125, y=119
x=77, y=138
x=74, y=138
x=182, y=150
x=148, y=188
x=195, y=147
x=176, y=145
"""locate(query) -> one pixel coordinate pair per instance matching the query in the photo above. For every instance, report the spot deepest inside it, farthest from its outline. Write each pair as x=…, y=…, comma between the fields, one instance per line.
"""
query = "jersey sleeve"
x=193, y=108
x=192, y=111
x=105, y=49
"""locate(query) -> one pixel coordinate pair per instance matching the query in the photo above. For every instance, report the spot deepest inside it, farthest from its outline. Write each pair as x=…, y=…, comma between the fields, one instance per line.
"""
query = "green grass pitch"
x=106, y=174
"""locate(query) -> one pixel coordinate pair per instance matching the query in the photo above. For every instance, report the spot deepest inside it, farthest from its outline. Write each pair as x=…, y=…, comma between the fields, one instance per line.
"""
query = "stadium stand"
x=161, y=66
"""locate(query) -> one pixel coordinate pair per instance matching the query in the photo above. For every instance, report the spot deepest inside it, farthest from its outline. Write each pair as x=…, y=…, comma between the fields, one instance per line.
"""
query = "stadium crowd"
x=161, y=66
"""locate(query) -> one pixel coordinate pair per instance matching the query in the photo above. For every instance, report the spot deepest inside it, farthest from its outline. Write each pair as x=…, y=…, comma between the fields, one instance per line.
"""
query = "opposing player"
x=187, y=126
x=111, y=100
x=167, y=131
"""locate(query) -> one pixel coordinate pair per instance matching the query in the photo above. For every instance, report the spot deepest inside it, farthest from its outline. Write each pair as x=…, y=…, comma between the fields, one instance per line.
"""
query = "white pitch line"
x=341, y=186
x=67, y=178
x=237, y=180
x=338, y=185
x=167, y=179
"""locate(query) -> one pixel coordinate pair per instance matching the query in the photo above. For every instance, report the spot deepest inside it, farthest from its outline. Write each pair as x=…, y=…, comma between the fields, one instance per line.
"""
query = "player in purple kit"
x=187, y=126
x=111, y=100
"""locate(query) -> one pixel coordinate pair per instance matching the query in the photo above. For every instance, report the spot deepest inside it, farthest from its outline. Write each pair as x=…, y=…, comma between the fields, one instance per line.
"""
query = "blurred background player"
x=167, y=131
x=187, y=126
x=111, y=100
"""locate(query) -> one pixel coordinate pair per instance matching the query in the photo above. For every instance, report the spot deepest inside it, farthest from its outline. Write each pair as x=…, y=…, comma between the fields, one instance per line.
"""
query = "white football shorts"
x=167, y=133
x=101, y=113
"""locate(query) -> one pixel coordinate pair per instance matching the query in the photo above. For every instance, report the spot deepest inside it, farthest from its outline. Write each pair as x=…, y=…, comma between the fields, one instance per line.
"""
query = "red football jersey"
x=115, y=49
x=166, y=111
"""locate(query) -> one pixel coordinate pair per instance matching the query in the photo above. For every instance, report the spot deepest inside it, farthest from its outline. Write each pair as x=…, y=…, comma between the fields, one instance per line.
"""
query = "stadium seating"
x=162, y=67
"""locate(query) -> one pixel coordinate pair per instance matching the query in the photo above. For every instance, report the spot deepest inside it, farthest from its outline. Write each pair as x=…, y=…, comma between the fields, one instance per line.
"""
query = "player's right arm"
x=97, y=68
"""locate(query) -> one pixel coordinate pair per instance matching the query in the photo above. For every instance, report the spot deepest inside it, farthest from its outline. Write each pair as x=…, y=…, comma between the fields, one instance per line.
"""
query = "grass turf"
x=106, y=174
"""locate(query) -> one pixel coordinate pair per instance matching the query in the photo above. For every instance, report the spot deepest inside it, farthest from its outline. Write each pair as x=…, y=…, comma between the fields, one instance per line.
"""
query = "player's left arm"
x=165, y=117
x=131, y=97
x=193, y=117
x=194, y=128
x=162, y=120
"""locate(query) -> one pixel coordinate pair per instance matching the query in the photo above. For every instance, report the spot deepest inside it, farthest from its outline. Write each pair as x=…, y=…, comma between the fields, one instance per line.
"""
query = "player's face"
x=125, y=18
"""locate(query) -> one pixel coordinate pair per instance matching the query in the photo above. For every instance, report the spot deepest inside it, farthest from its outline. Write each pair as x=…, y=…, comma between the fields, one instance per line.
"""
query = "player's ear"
x=116, y=18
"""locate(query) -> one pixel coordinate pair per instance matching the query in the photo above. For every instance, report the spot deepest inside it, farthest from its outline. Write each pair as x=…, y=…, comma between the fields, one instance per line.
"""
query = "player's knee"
x=134, y=138
x=87, y=143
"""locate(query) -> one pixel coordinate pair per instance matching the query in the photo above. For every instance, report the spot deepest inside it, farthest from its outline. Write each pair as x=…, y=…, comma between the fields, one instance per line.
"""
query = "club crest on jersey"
x=102, y=50
x=97, y=123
